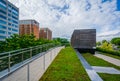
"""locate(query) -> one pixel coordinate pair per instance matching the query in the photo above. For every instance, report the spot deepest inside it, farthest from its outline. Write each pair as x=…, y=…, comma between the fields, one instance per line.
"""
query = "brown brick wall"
x=29, y=29
x=45, y=33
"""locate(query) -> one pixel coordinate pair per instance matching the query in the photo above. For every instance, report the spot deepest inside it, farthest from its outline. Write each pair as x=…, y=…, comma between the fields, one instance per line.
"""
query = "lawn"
x=95, y=61
x=65, y=67
x=114, y=56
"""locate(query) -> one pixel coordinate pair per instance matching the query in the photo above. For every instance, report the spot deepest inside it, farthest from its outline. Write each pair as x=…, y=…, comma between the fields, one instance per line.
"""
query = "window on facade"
x=15, y=30
x=2, y=37
x=3, y=17
x=2, y=11
x=3, y=22
x=15, y=22
x=9, y=29
x=9, y=24
x=3, y=4
x=2, y=32
x=15, y=17
x=2, y=27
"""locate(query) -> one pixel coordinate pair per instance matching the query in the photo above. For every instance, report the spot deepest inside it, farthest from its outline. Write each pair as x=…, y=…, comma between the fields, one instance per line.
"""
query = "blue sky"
x=63, y=16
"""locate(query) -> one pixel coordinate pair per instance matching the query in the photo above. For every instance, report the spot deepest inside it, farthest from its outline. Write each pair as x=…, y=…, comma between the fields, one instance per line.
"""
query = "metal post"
x=51, y=55
x=30, y=52
x=28, y=73
x=22, y=58
x=9, y=62
x=44, y=61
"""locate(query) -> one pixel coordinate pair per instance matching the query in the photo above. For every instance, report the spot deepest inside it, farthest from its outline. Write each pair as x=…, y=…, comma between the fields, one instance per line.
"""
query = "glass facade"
x=9, y=19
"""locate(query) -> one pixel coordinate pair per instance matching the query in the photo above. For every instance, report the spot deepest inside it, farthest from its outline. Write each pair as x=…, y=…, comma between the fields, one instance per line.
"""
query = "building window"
x=3, y=12
x=15, y=17
x=15, y=30
x=9, y=33
x=2, y=37
x=3, y=22
x=15, y=22
x=2, y=27
x=2, y=32
x=3, y=17
x=3, y=4
x=9, y=24
x=9, y=29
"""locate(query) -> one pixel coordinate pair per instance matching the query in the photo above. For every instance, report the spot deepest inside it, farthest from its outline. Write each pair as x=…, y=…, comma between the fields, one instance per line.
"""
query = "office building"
x=29, y=27
x=45, y=33
x=9, y=19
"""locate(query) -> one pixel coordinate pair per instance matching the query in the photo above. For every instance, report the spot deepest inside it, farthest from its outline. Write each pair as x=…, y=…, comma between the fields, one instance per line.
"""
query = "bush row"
x=113, y=52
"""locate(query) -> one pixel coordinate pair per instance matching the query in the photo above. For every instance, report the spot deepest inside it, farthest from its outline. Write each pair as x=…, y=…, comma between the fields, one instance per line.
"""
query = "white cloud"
x=63, y=16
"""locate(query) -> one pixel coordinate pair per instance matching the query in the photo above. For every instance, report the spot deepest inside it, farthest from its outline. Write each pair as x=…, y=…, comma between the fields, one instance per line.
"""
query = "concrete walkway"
x=109, y=70
x=107, y=58
x=90, y=71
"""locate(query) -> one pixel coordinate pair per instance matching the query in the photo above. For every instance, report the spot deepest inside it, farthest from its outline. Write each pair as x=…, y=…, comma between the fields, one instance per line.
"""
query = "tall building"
x=45, y=33
x=118, y=5
x=9, y=19
x=29, y=27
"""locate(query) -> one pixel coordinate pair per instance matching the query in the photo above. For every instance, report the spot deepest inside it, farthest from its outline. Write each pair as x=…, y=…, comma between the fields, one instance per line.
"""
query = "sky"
x=64, y=16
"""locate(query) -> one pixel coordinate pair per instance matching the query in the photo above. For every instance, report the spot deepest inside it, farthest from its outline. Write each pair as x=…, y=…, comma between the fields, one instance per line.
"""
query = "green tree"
x=98, y=43
x=116, y=41
x=103, y=41
x=107, y=46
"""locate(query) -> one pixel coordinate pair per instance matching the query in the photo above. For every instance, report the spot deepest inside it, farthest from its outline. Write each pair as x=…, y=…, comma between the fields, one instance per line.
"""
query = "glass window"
x=3, y=4
x=9, y=14
x=15, y=22
x=15, y=30
x=15, y=17
x=2, y=27
x=9, y=33
x=16, y=26
x=3, y=22
x=1, y=11
x=9, y=28
x=9, y=24
x=2, y=32
x=3, y=17
x=2, y=37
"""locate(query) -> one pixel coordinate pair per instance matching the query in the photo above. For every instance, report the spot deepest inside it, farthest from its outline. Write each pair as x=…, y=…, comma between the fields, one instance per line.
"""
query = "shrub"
x=113, y=52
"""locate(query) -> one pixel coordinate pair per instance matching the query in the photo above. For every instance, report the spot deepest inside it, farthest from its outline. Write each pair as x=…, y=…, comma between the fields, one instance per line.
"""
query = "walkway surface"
x=90, y=71
x=109, y=70
x=107, y=58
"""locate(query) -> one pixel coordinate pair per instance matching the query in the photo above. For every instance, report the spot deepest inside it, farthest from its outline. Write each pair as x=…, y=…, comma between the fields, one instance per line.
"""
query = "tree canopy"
x=116, y=41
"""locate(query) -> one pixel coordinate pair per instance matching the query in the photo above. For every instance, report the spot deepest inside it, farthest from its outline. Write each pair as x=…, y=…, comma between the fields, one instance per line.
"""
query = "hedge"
x=113, y=52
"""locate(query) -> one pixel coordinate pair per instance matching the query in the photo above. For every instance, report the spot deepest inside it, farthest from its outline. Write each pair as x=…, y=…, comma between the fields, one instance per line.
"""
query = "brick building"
x=45, y=33
x=29, y=27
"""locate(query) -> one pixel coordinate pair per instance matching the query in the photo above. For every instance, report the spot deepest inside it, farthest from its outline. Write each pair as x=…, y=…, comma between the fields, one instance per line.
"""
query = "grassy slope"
x=65, y=67
x=99, y=62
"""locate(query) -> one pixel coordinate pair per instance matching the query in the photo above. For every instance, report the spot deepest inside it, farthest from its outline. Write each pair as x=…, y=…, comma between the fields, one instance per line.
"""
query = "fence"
x=10, y=61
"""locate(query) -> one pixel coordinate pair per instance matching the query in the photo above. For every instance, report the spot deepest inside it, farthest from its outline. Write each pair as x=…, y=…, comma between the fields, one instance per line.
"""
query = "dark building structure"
x=84, y=40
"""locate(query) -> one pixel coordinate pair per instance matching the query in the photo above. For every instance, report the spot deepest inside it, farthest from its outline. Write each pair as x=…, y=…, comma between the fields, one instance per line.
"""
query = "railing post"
x=28, y=72
x=9, y=62
x=30, y=52
x=22, y=57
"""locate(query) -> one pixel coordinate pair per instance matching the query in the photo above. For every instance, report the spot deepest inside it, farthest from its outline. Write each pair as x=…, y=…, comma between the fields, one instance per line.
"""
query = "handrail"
x=8, y=59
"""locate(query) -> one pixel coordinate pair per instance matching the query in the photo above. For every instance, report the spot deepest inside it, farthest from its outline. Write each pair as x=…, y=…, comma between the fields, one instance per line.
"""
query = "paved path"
x=90, y=71
x=109, y=70
x=107, y=58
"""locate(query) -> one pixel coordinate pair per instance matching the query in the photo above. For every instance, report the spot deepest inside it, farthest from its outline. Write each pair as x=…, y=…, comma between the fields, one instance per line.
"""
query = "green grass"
x=114, y=56
x=65, y=67
x=110, y=77
x=95, y=61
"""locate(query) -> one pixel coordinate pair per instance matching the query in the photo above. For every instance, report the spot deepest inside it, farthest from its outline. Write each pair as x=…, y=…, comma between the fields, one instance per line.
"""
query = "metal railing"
x=9, y=59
